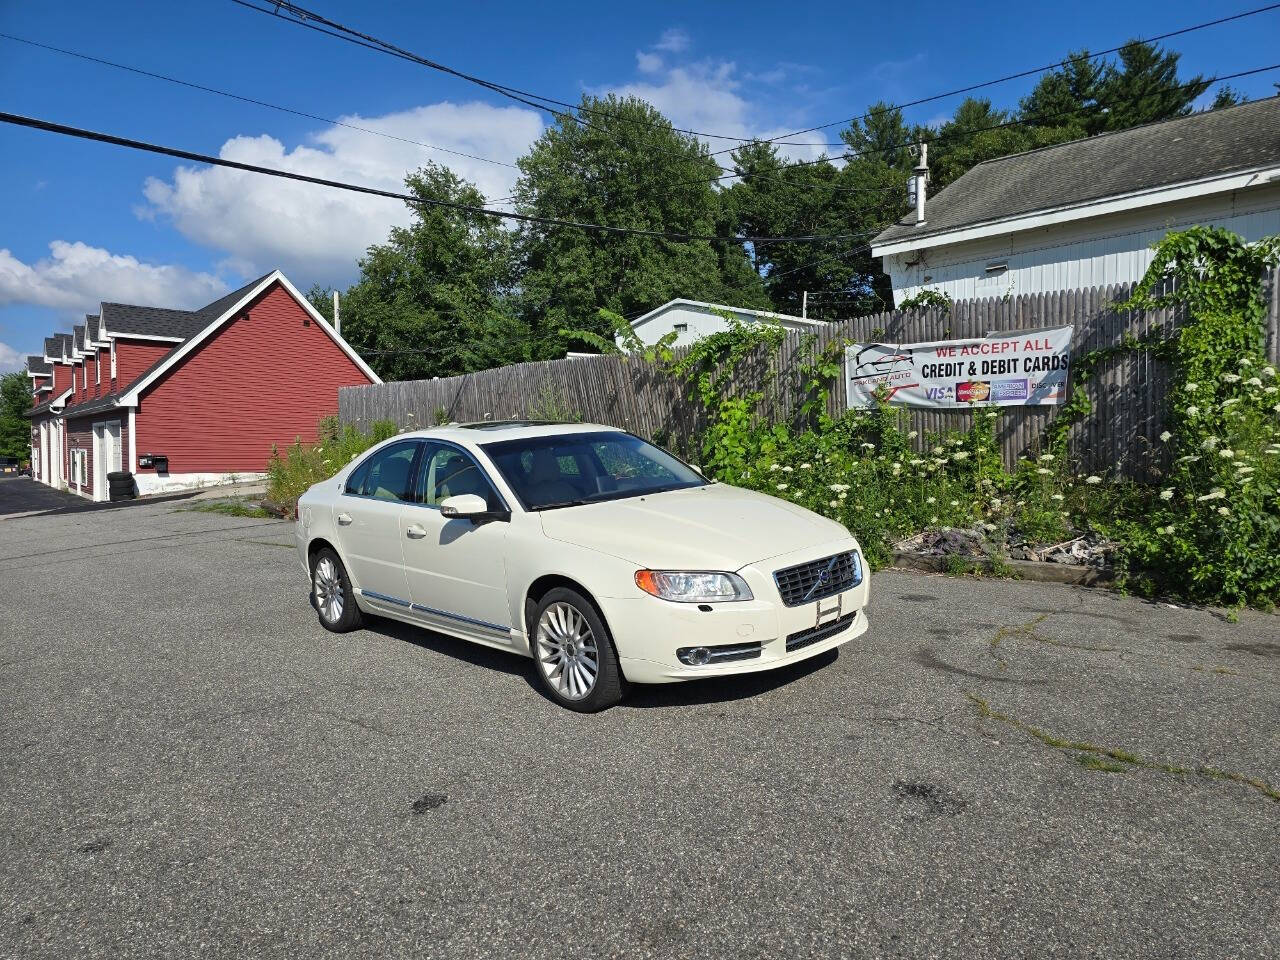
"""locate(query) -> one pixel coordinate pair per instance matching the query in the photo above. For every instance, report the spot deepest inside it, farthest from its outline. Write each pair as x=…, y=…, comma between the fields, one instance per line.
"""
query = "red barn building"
x=185, y=398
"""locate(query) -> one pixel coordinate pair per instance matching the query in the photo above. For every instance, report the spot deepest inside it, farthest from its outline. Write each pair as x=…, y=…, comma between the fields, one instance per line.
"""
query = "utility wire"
x=83, y=134
x=243, y=99
x=313, y=21
x=309, y=18
x=1039, y=120
x=1024, y=73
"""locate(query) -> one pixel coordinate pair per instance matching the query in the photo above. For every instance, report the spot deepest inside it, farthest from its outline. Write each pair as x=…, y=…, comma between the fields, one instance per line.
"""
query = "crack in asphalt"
x=1079, y=749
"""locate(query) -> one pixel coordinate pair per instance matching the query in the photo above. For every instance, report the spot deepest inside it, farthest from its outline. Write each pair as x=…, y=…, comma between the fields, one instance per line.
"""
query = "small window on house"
x=680, y=327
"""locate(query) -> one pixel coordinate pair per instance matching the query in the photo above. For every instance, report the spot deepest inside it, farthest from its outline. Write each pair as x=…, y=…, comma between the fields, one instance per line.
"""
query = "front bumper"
x=648, y=631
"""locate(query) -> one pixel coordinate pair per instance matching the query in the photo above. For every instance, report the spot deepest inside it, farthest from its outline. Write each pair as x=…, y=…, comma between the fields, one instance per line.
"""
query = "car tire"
x=331, y=593
x=568, y=636
x=121, y=475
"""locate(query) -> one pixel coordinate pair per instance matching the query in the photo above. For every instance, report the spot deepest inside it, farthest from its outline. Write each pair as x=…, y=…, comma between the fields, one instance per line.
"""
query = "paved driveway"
x=190, y=766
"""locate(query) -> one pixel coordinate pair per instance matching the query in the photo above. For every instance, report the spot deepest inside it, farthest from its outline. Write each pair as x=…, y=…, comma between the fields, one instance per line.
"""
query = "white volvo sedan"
x=605, y=559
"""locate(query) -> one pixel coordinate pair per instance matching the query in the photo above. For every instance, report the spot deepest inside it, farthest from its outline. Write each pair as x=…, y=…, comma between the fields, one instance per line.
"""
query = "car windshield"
x=569, y=469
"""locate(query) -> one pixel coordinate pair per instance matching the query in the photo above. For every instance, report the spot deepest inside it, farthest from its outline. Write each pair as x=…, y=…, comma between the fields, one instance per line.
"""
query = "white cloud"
x=10, y=359
x=78, y=277
x=648, y=62
x=707, y=96
x=674, y=40
x=313, y=231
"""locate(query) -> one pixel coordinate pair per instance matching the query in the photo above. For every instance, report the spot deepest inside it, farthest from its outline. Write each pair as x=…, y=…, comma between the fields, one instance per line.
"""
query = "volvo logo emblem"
x=822, y=578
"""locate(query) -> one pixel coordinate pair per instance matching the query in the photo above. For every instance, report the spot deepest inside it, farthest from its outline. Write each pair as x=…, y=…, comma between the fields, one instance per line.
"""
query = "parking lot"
x=190, y=765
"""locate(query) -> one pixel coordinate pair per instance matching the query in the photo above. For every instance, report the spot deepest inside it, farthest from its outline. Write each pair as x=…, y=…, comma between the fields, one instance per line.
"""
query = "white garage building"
x=1086, y=213
x=692, y=319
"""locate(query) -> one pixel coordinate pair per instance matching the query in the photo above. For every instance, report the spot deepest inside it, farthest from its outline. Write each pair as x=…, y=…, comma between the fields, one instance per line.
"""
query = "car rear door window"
x=387, y=475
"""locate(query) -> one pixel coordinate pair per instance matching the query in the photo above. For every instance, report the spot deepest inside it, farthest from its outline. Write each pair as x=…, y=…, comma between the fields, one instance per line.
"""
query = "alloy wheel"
x=328, y=591
x=567, y=653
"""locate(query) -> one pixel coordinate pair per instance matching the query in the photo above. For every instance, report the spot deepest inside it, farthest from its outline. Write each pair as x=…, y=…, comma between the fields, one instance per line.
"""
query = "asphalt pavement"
x=190, y=765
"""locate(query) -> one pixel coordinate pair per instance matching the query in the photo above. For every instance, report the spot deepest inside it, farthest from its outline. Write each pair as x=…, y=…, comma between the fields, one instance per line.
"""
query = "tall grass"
x=290, y=473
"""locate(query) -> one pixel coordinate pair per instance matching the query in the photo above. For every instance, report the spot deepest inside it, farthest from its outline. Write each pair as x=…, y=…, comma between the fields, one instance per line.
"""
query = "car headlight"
x=693, y=586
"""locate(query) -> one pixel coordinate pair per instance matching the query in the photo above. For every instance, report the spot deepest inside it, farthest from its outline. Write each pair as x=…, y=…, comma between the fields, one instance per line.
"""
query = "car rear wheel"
x=573, y=650
x=331, y=593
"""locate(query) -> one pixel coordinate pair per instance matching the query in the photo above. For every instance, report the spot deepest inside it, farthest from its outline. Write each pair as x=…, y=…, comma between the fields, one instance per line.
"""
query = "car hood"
x=716, y=527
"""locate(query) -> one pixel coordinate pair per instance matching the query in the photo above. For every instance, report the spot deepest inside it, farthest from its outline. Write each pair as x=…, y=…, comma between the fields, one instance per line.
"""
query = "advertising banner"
x=1010, y=369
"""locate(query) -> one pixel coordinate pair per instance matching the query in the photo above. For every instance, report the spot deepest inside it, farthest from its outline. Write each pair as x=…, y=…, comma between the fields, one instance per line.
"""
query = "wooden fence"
x=1119, y=436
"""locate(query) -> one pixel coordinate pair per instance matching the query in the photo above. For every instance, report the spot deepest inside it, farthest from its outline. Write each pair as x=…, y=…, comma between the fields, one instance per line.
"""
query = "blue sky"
x=84, y=222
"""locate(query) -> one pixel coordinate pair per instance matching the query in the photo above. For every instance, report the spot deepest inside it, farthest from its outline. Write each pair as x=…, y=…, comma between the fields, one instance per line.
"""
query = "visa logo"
x=938, y=393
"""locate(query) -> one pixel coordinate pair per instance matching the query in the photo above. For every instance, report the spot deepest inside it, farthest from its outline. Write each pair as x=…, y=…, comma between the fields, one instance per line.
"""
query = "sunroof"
x=503, y=424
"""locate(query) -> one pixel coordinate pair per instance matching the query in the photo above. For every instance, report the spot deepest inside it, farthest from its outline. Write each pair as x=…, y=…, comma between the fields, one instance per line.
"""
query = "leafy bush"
x=290, y=474
x=1212, y=531
x=1209, y=532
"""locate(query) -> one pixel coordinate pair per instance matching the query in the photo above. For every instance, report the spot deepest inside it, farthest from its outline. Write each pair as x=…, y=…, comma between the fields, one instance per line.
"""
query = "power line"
x=1035, y=121
x=308, y=18
x=83, y=134
x=314, y=21
x=1021, y=74
x=243, y=99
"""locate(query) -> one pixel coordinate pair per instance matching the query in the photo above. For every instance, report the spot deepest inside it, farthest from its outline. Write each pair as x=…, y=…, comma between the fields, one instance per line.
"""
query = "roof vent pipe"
x=337, y=315
x=921, y=180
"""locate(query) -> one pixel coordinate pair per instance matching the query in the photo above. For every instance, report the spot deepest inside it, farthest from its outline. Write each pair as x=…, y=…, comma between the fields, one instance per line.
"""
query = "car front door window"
x=456, y=569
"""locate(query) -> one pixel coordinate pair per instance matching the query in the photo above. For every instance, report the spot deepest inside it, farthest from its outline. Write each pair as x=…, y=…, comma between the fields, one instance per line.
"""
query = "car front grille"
x=804, y=638
x=818, y=578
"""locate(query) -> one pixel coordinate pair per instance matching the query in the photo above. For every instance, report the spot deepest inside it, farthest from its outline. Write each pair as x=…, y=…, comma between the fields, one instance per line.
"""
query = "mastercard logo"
x=978, y=390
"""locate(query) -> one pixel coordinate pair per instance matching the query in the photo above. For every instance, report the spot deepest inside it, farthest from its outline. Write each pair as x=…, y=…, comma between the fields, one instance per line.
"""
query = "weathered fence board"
x=1127, y=391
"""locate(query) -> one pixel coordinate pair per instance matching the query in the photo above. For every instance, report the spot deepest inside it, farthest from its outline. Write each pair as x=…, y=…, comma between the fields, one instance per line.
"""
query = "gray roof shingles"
x=146, y=321
x=1195, y=147
x=37, y=365
x=123, y=318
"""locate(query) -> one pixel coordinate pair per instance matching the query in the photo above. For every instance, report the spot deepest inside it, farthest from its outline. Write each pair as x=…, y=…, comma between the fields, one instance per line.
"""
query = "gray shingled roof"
x=52, y=348
x=213, y=311
x=38, y=366
x=92, y=325
x=77, y=337
x=1195, y=147
x=124, y=318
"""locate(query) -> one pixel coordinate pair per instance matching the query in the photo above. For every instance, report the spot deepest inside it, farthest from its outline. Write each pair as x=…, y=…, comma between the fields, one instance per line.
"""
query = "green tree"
x=1144, y=87
x=625, y=167
x=777, y=198
x=1066, y=99
x=436, y=299
x=1227, y=96
x=15, y=428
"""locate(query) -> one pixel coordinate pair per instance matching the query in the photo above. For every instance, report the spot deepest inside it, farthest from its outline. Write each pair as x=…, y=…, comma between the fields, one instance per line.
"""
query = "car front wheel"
x=331, y=593
x=576, y=662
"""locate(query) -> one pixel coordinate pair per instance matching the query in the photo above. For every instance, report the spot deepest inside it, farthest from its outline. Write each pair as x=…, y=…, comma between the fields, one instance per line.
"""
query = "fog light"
x=694, y=656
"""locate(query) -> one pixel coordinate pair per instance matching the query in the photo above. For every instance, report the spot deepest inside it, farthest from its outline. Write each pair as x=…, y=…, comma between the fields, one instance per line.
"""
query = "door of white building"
x=106, y=456
x=57, y=454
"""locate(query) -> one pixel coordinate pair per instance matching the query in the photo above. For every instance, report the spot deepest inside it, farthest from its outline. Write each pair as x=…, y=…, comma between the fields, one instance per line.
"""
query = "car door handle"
x=414, y=532
x=343, y=519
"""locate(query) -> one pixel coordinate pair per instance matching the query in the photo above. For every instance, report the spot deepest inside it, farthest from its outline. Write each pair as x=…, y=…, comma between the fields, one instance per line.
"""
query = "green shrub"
x=290, y=474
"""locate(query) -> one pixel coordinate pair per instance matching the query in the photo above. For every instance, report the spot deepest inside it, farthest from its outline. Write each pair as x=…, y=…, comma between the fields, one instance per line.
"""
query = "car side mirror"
x=470, y=506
